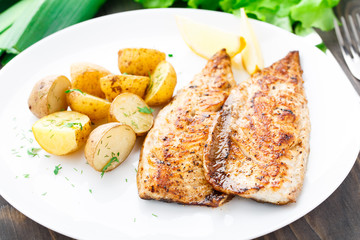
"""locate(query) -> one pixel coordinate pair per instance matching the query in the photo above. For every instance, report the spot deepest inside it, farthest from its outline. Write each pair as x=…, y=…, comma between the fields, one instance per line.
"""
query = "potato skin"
x=38, y=99
x=113, y=85
x=86, y=77
x=162, y=85
x=95, y=108
x=139, y=61
x=93, y=141
x=96, y=138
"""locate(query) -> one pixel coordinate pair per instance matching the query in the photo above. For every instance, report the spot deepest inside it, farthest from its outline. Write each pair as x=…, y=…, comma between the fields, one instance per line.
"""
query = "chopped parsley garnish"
x=26, y=175
x=154, y=215
x=74, y=124
x=44, y=194
x=125, y=73
x=113, y=159
x=151, y=83
x=170, y=55
x=47, y=156
x=90, y=190
x=57, y=169
x=134, y=124
x=72, y=90
x=146, y=110
x=33, y=151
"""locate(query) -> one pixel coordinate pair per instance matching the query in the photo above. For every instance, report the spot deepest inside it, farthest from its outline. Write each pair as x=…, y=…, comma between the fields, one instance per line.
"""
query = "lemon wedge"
x=251, y=56
x=205, y=40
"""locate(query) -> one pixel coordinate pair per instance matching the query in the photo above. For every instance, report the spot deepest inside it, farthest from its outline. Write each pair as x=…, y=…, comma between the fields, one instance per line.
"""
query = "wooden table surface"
x=336, y=218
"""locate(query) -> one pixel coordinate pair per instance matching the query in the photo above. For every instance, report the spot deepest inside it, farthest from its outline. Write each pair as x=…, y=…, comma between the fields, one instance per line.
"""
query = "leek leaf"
x=8, y=17
x=5, y=4
x=41, y=18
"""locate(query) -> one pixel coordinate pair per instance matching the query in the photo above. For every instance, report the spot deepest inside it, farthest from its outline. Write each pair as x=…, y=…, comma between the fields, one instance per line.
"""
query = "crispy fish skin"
x=259, y=144
x=171, y=167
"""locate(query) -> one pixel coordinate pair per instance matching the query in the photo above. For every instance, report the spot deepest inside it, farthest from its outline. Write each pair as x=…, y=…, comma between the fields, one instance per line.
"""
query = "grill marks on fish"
x=259, y=143
x=171, y=165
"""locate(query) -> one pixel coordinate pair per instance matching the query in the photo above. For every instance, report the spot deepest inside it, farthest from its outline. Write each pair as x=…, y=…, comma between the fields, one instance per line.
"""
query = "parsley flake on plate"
x=57, y=169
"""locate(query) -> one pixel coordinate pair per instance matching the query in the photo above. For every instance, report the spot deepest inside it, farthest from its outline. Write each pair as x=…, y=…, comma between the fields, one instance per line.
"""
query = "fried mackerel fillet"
x=171, y=167
x=259, y=143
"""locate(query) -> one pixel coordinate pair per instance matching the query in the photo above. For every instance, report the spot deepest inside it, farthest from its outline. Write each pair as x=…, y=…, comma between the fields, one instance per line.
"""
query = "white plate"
x=64, y=203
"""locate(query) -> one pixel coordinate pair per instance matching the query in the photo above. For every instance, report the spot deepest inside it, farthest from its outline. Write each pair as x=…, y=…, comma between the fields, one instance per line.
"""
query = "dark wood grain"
x=336, y=218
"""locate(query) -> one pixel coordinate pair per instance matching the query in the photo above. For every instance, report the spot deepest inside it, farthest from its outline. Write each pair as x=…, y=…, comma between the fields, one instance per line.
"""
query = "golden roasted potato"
x=86, y=77
x=113, y=85
x=109, y=145
x=162, y=84
x=139, y=61
x=130, y=109
x=61, y=133
x=94, y=107
x=48, y=95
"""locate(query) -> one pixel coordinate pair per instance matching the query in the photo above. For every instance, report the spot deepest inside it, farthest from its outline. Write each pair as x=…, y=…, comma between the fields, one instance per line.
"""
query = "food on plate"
x=130, y=109
x=61, y=133
x=170, y=167
x=109, y=145
x=259, y=144
x=94, y=107
x=48, y=95
x=162, y=84
x=86, y=77
x=206, y=40
x=139, y=61
x=251, y=57
x=112, y=85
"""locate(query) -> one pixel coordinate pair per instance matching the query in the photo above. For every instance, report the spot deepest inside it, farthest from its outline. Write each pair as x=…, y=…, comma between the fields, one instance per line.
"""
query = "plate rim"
x=8, y=197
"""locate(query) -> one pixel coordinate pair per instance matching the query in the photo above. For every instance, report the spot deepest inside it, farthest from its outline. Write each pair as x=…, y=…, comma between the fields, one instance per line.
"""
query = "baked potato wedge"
x=130, y=109
x=94, y=107
x=86, y=77
x=113, y=85
x=139, y=61
x=48, y=95
x=162, y=84
x=61, y=133
x=109, y=145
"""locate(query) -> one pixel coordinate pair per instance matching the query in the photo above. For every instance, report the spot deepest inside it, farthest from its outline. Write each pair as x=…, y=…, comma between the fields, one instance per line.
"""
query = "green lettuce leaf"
x=156, y=3
x=298, y=16
x=315, y=13
x=205, y=4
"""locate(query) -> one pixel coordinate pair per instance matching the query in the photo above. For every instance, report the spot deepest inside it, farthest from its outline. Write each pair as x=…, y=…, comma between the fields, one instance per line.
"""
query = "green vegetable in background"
x=298, y=16
x=28, y=21
x=5, y=4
